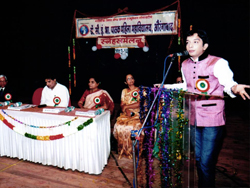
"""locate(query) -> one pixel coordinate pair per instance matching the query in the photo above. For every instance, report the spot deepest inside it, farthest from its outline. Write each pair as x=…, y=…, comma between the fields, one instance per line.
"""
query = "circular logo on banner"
x=57, y=100
x=8, y=96
x=84, y=30
x=202, y=85
x=97, y=100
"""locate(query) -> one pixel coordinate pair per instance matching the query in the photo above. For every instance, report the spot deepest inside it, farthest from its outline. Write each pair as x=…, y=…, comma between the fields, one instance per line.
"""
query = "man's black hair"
x=201, y=33
x=50, y=75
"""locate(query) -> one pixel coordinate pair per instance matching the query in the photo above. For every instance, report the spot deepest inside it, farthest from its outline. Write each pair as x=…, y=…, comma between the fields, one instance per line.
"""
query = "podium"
x=167, y=137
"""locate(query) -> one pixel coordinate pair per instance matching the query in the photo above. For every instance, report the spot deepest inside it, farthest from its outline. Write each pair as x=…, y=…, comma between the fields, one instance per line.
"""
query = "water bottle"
x=69, y=109
x=16, y=104
x=99, y=111
x=6, y=103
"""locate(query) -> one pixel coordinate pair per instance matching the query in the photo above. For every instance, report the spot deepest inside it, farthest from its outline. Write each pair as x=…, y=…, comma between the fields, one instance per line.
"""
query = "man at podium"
x=209, y=75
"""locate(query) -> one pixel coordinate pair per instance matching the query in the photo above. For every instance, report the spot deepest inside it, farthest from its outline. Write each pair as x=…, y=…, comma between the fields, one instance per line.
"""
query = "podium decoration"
x=167, y=123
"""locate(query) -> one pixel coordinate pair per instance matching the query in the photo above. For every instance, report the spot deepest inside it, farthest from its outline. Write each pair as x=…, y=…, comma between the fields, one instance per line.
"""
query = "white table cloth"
x=85, y=150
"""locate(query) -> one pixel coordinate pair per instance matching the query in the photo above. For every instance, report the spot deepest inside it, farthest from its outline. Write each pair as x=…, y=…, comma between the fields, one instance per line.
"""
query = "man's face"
x=50, y=83
x=194, y=46
x=3, y=82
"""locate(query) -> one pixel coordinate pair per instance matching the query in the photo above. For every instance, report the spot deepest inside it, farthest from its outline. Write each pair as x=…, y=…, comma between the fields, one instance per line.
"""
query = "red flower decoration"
x=134, y=94
x=140, y=44
x=202, y=85
x=97, y=100
x=57, y=100
x=8, y=96
x=117, y=56
x=99, y=46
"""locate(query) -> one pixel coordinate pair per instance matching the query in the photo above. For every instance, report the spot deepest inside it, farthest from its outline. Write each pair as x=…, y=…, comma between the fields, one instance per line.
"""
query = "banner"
x=126, y=41
x=161, y=23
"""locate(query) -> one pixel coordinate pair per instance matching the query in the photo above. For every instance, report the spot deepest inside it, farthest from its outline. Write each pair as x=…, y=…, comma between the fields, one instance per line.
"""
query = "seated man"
x=54, y=93
x=6, y=93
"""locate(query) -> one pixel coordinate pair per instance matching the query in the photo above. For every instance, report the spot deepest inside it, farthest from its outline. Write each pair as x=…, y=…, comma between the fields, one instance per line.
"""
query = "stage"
x=232, y=168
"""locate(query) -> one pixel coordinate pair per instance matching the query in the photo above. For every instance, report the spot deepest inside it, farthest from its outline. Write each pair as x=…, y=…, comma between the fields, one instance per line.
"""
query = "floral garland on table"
x=47, y=137
x=41, y=127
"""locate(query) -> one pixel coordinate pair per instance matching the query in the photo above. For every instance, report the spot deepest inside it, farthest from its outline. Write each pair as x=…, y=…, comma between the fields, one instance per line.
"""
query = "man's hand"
x=239, y=89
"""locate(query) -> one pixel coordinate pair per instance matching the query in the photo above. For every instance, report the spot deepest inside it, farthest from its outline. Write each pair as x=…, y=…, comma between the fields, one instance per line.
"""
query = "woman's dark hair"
x=131, y=73
x=96, y=78
x=201, y=33
x=127, y=75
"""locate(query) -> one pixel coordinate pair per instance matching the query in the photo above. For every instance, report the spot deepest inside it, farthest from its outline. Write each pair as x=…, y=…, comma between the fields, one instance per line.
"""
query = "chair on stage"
x=36, y=98
x=69, y=102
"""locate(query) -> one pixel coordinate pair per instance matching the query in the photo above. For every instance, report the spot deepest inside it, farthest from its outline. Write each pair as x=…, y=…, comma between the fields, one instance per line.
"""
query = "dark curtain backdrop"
x=35, y=38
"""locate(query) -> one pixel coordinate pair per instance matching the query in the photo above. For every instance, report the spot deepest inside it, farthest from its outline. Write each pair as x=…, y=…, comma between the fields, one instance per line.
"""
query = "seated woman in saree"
x=95, y=98
x=129, y=119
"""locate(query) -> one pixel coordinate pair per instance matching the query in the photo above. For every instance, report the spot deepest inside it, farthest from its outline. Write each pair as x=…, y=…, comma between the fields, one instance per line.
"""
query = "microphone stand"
x=135, y=139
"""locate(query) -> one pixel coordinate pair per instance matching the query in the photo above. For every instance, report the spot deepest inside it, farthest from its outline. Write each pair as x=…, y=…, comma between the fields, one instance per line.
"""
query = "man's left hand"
x=240, y=90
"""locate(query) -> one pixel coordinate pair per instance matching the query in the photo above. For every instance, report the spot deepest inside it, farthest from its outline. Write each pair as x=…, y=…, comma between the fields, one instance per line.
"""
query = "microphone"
x=184, y=53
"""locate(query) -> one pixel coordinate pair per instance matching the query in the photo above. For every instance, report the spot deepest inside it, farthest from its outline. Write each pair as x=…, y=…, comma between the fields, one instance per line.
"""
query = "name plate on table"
x=91, y=113
x=53, y=110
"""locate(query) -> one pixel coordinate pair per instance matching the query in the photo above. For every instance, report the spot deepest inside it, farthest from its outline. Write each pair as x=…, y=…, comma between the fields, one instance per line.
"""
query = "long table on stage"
x=83, y=150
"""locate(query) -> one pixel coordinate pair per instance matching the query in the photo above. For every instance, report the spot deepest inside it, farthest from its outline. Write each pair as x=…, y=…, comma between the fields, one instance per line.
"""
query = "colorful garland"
x=168, y=146
x=41, y=127
x=150, y=142
x=47, y=137
x=164, y=138
x=145, y=101
x=145, y=94
x=181, y=123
